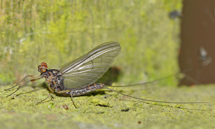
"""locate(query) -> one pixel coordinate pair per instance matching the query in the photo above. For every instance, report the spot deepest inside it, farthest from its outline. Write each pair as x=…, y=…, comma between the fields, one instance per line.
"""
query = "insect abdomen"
x=86, y=89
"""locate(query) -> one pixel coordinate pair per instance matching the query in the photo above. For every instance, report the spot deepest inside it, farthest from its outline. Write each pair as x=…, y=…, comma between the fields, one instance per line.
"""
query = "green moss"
x=109, y=110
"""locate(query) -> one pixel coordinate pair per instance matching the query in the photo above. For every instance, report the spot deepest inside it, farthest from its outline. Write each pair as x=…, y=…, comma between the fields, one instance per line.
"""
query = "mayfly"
x=78, y=77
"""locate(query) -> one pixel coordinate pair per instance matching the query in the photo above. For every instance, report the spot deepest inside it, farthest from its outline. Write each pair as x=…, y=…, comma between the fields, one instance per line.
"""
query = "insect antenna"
x=148, y=100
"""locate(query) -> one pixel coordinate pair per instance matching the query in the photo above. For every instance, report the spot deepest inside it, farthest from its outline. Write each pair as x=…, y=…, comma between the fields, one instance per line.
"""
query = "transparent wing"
x=88, y=68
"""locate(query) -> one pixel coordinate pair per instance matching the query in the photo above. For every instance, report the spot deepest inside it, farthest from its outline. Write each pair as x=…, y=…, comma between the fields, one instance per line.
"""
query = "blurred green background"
x=57, y=32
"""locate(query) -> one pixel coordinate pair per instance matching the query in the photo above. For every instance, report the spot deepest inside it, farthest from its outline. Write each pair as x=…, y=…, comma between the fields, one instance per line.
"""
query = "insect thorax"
x=54, y=80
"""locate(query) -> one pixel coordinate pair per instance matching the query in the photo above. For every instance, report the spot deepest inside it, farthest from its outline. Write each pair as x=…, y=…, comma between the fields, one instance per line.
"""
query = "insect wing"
x=88, y=68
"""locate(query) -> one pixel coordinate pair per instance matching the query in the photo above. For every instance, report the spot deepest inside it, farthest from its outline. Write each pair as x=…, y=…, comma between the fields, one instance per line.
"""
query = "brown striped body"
x=82, y=90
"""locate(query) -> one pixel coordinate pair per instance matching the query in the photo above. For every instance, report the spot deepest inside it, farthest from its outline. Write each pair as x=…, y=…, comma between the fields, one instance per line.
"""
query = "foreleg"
x=25, y=80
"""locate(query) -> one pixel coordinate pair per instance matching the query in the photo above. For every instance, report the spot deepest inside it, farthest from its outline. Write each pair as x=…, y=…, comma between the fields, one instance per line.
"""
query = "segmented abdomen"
x=86, y=89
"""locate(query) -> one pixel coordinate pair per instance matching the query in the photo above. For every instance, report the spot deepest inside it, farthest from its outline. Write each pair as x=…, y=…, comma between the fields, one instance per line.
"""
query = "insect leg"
x=17, y=83
x=50, y=89
x=72, y=100
x=66, y=91
x=49, y=96
x=25, y=80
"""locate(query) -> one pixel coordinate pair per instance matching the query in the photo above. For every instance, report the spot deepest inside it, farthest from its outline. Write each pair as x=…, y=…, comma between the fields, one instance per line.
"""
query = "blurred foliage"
x=57, y=32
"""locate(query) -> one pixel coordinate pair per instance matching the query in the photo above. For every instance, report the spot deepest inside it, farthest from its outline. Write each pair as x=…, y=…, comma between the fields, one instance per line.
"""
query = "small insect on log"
x=77, y=77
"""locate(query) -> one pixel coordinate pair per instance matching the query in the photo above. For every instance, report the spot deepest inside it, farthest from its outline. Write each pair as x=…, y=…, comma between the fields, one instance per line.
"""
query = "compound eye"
x=44, y=65
x=39, y=68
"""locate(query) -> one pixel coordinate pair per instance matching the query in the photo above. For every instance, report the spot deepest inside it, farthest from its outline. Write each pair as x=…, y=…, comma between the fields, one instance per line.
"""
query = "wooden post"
x=197, y=50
